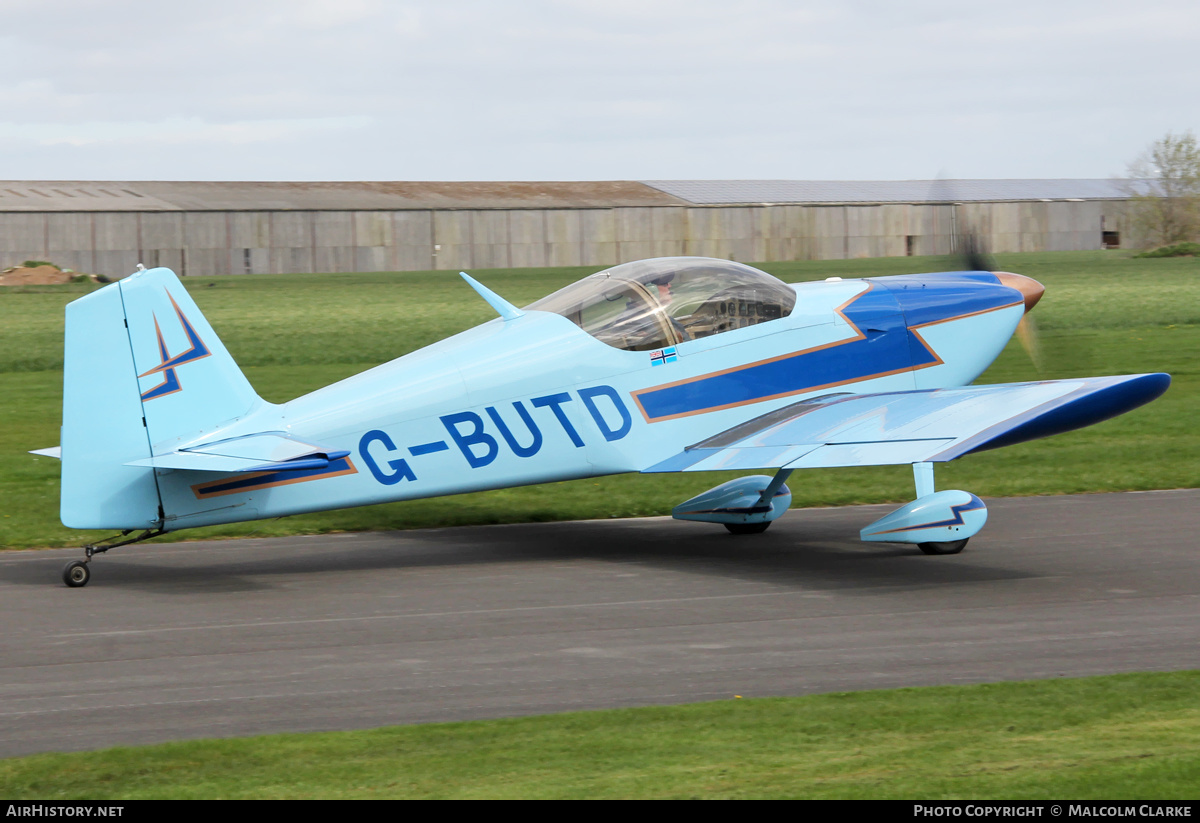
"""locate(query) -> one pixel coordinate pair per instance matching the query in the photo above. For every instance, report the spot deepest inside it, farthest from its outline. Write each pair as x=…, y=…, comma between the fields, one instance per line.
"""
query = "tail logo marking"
x=198, y=350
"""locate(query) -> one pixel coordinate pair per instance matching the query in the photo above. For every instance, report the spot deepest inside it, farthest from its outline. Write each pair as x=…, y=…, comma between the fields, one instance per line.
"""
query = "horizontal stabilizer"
x=55, y=452
x=275, y=447
x=934, y=425
x=266, y=451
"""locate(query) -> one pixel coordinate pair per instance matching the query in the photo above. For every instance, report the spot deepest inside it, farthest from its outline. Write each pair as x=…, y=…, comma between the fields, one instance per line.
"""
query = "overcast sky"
x=590, y=89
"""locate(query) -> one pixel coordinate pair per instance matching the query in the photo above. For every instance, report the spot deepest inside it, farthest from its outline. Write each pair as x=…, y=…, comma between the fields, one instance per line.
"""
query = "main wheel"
x=76, y=574
x=949, y=547
x=747, y=528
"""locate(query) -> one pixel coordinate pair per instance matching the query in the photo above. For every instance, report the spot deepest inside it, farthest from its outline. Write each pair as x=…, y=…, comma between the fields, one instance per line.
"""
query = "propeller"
x=971, y=253
x=1027, y=336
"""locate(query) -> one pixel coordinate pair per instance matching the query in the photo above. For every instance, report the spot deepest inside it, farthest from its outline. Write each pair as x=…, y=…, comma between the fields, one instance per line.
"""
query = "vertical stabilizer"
x=143, y=370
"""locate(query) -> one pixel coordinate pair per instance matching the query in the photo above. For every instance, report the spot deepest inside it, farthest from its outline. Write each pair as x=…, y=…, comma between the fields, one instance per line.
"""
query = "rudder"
x=102, y=426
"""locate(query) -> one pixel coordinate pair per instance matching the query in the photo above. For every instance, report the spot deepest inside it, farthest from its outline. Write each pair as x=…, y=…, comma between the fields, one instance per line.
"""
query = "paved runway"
x=356, y=631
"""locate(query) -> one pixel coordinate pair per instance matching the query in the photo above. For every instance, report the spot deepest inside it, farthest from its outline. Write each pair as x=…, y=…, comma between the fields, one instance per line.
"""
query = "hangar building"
x=204, y=228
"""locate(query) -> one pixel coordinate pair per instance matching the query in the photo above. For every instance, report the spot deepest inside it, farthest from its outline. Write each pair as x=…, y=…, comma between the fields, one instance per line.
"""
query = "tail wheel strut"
x=76, y=574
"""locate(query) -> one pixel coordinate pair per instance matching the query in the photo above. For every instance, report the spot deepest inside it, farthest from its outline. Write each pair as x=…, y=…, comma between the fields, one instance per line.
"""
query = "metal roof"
x=726, y=192
x=92, y=196
x=42, y=196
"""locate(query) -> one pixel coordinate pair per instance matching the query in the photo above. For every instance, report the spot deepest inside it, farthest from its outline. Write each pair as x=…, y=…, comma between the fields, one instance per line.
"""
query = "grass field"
x=1133, y=736
x=1103, y=313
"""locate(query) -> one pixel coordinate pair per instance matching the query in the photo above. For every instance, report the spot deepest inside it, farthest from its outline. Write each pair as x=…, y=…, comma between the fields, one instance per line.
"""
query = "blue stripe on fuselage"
x=879, y=348
x=883, y=345
x=252, y=482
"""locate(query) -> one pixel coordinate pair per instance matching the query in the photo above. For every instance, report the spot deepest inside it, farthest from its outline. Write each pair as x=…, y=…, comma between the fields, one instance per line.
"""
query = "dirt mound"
x=38, y=276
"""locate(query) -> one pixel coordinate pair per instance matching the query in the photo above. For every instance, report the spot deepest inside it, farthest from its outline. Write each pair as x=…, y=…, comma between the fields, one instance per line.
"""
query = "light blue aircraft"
x=668, y=365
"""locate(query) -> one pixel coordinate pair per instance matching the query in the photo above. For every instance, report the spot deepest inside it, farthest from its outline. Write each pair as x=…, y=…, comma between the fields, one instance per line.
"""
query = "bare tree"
x=1164, y=188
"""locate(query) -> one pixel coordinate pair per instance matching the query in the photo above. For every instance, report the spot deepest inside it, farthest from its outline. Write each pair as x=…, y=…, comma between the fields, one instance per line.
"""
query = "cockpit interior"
x=652, y=304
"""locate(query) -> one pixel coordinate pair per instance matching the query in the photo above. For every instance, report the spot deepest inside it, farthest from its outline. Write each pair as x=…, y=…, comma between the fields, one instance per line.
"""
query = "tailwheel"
x=948, y=547
x=76, y=574
x=747, y=528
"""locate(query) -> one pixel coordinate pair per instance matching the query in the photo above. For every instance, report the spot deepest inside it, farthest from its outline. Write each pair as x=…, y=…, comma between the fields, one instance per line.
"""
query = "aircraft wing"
x=931, y=425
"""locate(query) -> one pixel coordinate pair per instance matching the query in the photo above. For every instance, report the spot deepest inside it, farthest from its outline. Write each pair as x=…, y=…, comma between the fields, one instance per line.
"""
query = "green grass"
x=1103, y=313
x=1134, y=736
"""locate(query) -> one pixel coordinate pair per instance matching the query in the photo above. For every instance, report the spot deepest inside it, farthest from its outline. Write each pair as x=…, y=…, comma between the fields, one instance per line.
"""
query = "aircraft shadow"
x=813, y=555
x=822, y=554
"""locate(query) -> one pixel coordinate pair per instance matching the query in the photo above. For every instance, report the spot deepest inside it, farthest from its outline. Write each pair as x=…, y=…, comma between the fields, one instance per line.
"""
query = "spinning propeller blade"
x=971, y=253
x=1027, y=336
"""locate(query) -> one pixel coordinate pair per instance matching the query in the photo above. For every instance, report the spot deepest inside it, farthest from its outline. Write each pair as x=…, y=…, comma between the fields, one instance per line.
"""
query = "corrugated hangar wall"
x=250, y=242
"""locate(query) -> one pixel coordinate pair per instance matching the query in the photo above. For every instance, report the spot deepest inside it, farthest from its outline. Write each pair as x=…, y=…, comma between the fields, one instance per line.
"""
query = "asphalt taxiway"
x=243, y=637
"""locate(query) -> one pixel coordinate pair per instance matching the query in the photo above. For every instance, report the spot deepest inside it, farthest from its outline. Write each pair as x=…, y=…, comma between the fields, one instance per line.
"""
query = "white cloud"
x=591, y=89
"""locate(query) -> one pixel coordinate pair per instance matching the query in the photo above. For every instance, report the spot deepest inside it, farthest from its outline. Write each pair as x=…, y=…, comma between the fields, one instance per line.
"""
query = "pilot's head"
x=664, y=287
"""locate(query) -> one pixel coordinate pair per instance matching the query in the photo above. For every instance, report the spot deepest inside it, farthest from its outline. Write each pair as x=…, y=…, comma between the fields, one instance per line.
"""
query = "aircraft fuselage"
x=536, y=399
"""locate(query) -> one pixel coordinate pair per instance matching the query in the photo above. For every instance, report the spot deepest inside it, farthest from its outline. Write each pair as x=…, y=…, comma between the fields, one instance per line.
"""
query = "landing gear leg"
x=77, y=573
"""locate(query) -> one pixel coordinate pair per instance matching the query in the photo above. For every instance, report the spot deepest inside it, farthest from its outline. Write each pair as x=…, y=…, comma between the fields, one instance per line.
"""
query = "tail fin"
x=188, y=383
x=143, y=371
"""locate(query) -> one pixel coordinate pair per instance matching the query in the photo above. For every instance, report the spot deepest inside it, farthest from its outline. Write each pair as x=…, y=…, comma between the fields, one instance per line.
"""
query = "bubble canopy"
x=651, y=304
